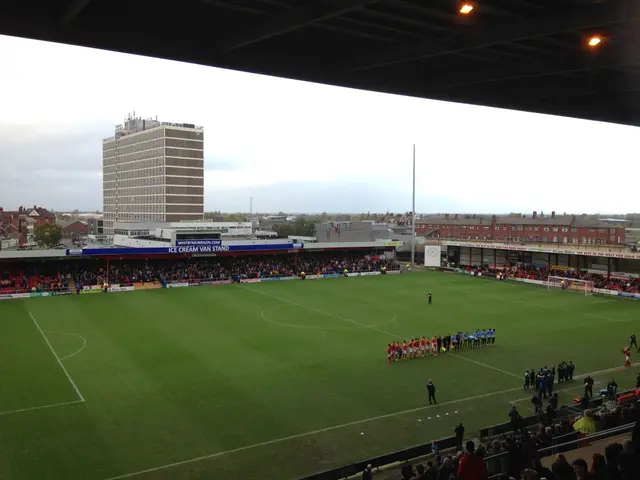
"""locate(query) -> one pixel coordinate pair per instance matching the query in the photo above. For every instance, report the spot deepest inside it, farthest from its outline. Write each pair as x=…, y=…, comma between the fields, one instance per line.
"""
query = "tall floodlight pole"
x=413, y=211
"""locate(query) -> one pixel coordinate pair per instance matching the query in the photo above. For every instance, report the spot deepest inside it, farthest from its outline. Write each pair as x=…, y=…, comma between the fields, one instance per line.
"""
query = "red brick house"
x=74, y=228
x=538, y=228
x=19, y=223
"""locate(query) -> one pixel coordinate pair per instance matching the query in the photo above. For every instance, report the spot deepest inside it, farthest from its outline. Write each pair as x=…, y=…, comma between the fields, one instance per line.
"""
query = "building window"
x=574, y=229
x=536, y=229
x=565, y=229
x=592, y=230
x=519, y=228
x=546, y=229
x=612, y=238
x=602, y=230
x=575, y=240
x=612, y=231
x=555, y=229
x=497, y=227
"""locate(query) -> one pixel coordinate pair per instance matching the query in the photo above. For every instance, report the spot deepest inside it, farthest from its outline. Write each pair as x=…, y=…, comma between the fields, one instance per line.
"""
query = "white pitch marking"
x=84, y=343
x=307, y=434
x=42, y=407
x=73, y=384
x=329, y=314
x=485, y=365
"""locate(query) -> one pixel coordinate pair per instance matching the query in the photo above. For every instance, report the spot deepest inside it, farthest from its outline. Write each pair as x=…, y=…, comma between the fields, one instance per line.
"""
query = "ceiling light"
x=594, y=41
x=466, y=8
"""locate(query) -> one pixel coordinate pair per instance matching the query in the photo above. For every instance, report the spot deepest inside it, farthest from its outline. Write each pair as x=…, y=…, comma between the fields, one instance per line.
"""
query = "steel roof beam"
x=73, y=9
x=597, y=15
x=314, y=11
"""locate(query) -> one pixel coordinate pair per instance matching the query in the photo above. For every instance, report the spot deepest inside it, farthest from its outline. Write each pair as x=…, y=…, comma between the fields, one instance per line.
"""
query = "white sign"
x=432, y=255
x=177, y=285
x=117, y=288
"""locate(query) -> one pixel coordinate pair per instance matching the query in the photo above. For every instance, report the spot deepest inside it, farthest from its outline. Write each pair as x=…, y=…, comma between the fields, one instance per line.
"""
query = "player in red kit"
x=389, y=353
x=404, y=350
x=627, y=356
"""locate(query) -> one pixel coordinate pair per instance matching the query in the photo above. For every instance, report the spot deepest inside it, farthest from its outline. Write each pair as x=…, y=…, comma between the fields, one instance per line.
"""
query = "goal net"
x=584, y=287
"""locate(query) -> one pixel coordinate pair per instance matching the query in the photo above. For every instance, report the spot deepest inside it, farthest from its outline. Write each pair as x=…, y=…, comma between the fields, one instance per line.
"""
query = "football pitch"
x=279, y=379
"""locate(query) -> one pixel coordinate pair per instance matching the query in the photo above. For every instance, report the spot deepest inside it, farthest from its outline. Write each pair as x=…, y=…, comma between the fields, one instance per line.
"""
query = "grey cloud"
x=46, y=167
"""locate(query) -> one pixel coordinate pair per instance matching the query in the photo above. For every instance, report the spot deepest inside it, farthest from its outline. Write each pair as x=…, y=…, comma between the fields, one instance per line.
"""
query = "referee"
x=431, y=388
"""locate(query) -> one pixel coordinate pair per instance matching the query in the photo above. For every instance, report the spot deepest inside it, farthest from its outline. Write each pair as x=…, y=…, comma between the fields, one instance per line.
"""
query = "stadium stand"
x=52, y=276
x=541, y=450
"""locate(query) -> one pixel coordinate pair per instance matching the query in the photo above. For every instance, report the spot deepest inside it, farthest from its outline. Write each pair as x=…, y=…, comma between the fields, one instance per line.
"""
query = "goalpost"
x=571, y=285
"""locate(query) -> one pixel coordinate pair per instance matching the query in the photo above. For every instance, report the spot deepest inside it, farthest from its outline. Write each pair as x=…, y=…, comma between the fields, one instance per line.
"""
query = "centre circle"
x=267, y=315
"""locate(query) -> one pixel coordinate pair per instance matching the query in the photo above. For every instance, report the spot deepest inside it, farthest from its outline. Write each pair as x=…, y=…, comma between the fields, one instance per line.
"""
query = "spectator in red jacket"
x=471, y=466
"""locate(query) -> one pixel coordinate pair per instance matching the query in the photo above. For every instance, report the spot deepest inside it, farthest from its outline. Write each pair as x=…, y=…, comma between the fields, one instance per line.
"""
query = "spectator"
x=598, y=468
x=435, y=449
x=611, y=453
x=582, y=469
x=543, y=472
x=628, y=462
x=446, y=469
x=420, y=475
x=561, y=469
x=367, y=474
x=471, y=466
x=432, y=472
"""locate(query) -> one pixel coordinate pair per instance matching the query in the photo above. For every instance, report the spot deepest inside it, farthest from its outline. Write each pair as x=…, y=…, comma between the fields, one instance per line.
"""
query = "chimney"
x=446, y=216
x=494, y=219
x=535, y=214
x=553, y=214
x=474, y=215
x=455, y=217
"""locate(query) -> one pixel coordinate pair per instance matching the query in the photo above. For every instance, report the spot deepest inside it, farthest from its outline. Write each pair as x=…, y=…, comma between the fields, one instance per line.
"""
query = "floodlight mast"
x=413, y=212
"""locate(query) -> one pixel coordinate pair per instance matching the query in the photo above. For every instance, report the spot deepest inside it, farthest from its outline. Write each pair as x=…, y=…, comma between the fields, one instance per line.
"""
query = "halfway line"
x=371, y=328
x=317, y=310
x=484, y=365
x=73, y=384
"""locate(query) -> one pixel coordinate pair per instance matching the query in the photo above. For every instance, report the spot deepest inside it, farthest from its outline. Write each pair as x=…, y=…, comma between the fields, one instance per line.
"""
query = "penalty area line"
x=42, y=407
x=307, y=434
x=73, y=384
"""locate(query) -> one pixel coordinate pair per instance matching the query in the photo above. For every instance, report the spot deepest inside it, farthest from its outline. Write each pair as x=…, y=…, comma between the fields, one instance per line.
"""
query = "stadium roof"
x=523, y=54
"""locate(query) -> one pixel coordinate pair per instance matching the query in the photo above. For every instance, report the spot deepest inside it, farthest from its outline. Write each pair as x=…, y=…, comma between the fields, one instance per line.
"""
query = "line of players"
x=422, y=347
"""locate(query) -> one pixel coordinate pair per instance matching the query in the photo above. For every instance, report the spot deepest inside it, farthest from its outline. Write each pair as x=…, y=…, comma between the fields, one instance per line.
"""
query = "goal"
x=570, y=285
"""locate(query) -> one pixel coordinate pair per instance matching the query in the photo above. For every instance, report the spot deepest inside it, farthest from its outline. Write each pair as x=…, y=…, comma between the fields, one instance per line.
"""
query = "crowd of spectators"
x=48, y=275
x=517, y=455
x=630, y=285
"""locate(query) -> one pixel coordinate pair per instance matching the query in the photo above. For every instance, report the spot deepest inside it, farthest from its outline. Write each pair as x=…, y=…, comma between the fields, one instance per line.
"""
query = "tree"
x=48, y=234
x=302, y=226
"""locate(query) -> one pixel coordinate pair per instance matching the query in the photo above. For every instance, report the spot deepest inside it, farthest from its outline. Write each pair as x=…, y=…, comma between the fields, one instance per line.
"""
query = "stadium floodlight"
x=466, y=8
x=570, y=285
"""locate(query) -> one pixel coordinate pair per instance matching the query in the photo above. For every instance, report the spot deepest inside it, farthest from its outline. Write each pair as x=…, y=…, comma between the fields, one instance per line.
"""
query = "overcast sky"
x=297, y=146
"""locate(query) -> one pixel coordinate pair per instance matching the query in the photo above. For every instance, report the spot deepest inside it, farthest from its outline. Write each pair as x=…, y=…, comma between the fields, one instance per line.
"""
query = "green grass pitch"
x=275, y=380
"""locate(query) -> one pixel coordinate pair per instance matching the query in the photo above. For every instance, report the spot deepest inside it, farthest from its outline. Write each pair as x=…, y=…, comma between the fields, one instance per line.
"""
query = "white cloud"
x=298, y=146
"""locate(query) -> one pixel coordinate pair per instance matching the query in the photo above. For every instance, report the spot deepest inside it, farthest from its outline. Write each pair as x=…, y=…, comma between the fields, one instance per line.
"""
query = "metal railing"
x=568, y=445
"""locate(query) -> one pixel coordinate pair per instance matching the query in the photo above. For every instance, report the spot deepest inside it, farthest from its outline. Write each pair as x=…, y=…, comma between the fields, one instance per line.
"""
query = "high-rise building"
x=153, y=171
